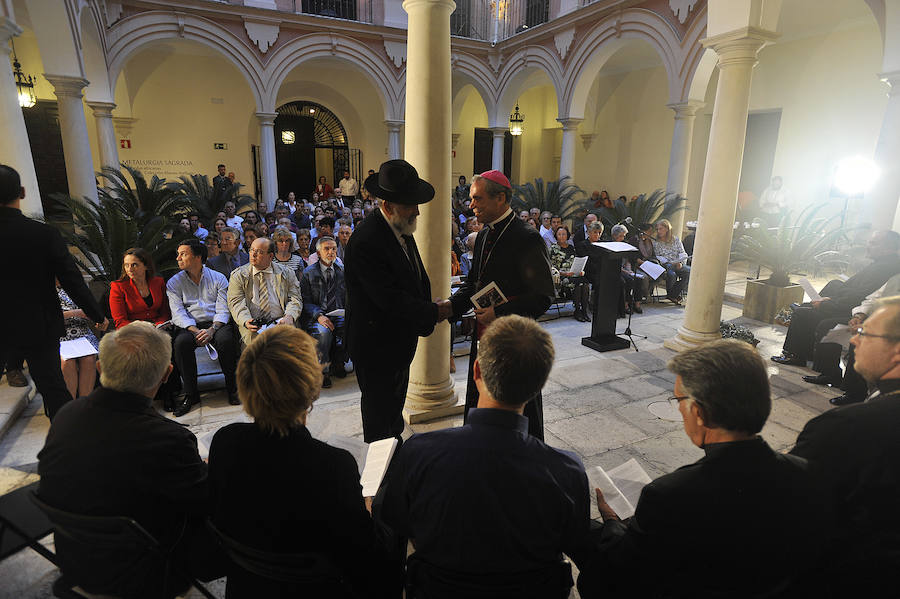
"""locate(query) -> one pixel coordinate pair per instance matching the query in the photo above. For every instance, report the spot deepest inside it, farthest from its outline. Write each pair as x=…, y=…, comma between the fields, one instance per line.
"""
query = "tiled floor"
x=595, y=404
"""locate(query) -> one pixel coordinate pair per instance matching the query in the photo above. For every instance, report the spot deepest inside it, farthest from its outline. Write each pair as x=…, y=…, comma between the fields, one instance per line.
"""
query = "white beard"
x=404, y=226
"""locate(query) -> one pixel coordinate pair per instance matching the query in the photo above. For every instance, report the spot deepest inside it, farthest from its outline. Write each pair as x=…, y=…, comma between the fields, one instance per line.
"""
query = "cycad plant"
x=792, y=247
x=644, y=209
x=560, y=197
x=198, y=191
x=144, y=201
x=104, y=230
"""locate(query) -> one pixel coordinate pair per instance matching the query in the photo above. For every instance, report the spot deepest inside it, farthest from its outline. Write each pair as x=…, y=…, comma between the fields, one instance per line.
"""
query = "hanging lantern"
x=24, y=84
x=516, y=122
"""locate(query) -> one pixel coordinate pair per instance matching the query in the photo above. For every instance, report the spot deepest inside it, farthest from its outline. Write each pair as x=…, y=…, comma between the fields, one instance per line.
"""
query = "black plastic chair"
x=22, y=524
x=427, y=581
x=120, y=536
x=302, y=569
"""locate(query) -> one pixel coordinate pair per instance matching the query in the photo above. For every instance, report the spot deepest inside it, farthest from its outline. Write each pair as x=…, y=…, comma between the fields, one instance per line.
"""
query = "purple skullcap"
x=497, y=177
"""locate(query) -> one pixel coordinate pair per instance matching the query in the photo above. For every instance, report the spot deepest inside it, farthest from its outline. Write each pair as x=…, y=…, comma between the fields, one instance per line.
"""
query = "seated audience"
x=571, y=284
x=343, y=238
x=251, y=234
x=251, y=217
x=487, y=504
x=671, y=255
x=231, y=253
x=857, y=451
x=827, y=359
x=185, y=225
x=635, y=283
x=839, y=297
x=197, y=229
x=592, y=268
x=546, y=229
x=301, y=216
x=284, y=255
x=277, y=489
x=199, y=304
x=303, y=241
x=79, y=373
x=465, y=261
x=323, y=290
x=322, y=190
x=231, y=219
x=112, y=454
x=263, y=292
x=220, y=223
x=139, y=294
x=749, y=522
x=580, y=233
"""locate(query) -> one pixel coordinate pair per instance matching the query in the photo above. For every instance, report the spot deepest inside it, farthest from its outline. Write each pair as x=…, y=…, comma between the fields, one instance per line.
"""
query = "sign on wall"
x=164, y=169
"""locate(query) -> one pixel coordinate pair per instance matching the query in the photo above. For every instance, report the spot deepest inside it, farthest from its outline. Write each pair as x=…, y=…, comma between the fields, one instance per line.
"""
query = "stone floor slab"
x=596, y=432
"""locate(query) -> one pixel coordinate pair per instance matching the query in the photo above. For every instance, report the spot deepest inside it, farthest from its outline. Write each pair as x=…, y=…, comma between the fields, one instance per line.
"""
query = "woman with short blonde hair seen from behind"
x=275, y=488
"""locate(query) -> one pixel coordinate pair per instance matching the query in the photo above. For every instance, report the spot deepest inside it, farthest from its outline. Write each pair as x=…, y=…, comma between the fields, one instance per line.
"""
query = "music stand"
x=607, y=285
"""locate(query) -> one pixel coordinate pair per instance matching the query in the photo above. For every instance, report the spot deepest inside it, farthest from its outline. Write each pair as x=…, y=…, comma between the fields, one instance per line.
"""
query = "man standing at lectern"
x=389, y=303
x=514, y=256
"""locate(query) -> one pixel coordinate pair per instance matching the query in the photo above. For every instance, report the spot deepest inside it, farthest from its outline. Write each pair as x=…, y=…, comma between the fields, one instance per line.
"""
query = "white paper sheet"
x=335, y=313
x=377, y=460
x=76, y=348
x=810, y=290
x=621, y=486
x=840, y=334
x=652, y=268
x=616, y=246
x=578, y=265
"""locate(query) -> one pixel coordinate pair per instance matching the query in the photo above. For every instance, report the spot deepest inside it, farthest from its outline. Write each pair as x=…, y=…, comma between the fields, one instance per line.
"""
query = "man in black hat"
x=513, y=255
x=389, y=301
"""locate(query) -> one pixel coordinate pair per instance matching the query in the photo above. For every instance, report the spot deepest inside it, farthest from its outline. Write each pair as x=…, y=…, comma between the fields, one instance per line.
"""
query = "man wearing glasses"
x=857, y=451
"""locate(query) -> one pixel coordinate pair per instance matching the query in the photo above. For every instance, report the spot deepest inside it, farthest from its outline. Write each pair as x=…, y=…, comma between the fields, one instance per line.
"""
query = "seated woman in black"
x=592, y=268
x=571, y=284
x=743, y=521
x=275, y=488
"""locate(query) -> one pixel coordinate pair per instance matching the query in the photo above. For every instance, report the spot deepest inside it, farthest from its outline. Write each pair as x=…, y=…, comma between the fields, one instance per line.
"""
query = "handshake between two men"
x=484, y=316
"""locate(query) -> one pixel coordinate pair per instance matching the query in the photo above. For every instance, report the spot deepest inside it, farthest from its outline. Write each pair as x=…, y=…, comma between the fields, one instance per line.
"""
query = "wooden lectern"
x=607, y=284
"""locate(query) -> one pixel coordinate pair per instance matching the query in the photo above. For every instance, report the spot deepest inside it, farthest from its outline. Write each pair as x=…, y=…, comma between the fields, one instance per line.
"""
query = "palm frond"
x=644, y=209
x=560, y=197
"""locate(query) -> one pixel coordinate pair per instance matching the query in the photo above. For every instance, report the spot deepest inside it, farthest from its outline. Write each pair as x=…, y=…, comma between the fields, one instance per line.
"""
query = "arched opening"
x=311, y=142
x=469, y=116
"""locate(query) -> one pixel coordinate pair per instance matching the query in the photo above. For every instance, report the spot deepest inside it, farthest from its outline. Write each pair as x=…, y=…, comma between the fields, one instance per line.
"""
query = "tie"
x=329, y=289
x=413, y=254
x=263, y=295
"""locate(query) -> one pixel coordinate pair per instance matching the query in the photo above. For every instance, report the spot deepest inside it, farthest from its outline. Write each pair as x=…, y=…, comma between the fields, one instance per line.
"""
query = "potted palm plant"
x=560, y=197
x=787, y=249
x=644, y=209
x=199, y=192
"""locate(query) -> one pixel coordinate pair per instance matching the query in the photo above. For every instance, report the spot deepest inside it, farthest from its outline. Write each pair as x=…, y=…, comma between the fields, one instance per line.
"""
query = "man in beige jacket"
x=262, y=292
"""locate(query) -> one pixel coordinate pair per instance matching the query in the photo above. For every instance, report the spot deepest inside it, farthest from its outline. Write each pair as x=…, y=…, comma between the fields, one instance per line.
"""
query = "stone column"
x=428, y=119
x=73, y=126
x=394, y=139
x=567, y=151
x=267, y=167
x=884, y=196
x=718, y=198
x=499, y=138
x=15, y=151
x=106, y=133
x=680, y=155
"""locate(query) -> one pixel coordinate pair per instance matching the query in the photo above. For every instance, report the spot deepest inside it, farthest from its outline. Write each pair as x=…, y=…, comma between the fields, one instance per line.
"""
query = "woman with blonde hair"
x=671, y=255
x=275, y=488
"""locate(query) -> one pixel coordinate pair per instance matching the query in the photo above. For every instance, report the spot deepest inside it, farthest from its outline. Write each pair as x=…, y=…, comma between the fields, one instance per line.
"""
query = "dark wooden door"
x=484, y=149
x=45, y=139
x=296, y=162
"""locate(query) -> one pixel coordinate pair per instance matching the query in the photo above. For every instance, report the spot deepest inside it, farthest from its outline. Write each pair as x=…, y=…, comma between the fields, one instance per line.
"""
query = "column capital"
x=394, y=126
x=892, y=78
x=449, y=5
x=570, y=123
x=686, y=109
x=124, y=124
x=8, y=30
x=102, y=109
x=499, y=131
x=267, y=119
x=741, y=46
x=66, y=85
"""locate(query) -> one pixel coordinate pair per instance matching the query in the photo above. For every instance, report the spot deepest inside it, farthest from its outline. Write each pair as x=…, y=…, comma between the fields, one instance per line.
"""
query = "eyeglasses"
x=677, y=398
x=859, y=331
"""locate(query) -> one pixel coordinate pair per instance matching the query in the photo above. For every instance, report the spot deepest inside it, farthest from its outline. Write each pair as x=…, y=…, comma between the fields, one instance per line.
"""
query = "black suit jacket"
x=857, y=451
x=112, y=454
x=520, y=266
x=32, y=256
x=739, y=522
x=388, y=308
x=294, y=494
x=224, y=264
x=221, y=187
x=856, y=288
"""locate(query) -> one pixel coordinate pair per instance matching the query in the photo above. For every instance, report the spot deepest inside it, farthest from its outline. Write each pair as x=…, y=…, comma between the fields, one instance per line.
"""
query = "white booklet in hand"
x=621, y=486
x=809, y=290
x=372, y=459
x=652, y=268
x=489, y=296
x=76, y=348
x=578, y=265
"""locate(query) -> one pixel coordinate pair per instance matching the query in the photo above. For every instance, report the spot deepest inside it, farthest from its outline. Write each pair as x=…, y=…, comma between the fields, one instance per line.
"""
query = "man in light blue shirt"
x=198, y=299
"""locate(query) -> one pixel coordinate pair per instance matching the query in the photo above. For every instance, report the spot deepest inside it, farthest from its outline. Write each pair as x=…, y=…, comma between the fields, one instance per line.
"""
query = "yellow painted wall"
x=536, y=151
x=472, y=114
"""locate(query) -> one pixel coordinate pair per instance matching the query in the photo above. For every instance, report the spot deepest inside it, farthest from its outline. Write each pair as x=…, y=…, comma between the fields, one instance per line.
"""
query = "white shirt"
x=773, y=201
x=234, y=222
x=547, y=234
x=201, y=233
x=274, y=309
x=349, y=187
x=192, y=303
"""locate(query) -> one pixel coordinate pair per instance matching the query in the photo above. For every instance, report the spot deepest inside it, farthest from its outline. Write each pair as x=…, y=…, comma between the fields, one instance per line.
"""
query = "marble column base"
x=416, y=416
x=688, y=339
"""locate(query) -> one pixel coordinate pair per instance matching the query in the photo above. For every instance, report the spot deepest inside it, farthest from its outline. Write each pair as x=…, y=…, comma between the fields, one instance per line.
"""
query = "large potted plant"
x=199, y=192
x=644, y=209
x=560, y=197
x=787, y=249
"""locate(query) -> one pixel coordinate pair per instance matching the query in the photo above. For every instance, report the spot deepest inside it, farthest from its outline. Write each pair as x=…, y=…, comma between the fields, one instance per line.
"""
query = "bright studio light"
x=855, y=175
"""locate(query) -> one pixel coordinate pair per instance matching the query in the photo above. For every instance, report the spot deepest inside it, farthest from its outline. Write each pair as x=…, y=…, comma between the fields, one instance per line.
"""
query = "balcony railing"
x=351, y=10
x=495, y=20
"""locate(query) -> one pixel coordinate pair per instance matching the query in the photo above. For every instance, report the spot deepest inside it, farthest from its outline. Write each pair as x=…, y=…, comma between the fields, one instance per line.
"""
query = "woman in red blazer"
x=139, y=294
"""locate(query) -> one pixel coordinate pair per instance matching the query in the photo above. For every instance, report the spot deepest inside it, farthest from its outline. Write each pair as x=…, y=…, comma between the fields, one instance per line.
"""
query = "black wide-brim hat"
x=398, y=181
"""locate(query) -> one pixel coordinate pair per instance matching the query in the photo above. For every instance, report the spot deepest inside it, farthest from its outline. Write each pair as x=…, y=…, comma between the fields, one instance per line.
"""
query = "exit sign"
x=220, y=146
